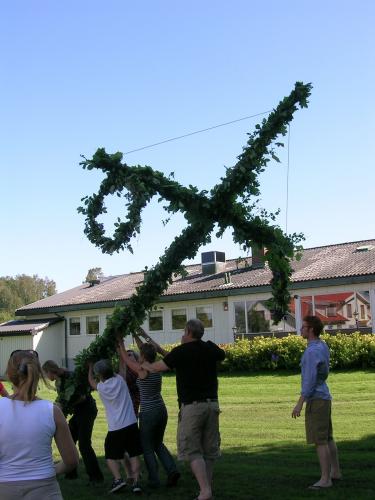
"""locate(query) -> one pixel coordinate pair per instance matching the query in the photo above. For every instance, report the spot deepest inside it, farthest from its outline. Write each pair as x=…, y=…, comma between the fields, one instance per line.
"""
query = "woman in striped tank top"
x=153, y=414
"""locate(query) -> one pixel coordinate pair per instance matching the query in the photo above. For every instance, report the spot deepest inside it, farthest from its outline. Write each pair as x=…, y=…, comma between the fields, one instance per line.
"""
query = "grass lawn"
x=264, y=454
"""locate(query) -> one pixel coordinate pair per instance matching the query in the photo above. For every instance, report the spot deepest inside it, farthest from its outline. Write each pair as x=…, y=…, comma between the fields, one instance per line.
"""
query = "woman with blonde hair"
x=27, y=426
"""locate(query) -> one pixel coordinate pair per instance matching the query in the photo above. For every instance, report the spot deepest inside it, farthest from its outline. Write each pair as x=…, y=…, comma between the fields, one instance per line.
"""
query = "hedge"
x=348, y=351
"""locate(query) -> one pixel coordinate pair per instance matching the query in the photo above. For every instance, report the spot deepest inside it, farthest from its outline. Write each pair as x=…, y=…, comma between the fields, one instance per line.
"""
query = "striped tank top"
x=150, y=392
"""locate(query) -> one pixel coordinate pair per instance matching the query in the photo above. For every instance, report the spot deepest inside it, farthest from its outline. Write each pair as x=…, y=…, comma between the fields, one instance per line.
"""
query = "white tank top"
x=26, y=432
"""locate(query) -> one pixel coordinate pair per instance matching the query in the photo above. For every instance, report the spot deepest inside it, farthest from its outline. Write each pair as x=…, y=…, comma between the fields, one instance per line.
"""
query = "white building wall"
x=217, y=333
x=50, y=343
x=10, y=344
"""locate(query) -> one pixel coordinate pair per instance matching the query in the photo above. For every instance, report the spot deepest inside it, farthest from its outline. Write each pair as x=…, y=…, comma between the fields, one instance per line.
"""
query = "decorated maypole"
x=229, y=204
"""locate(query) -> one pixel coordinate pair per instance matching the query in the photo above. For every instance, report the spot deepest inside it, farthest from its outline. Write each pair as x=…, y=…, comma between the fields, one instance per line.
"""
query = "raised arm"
x=91, y=378
x=157, y=366
x=64, y=443
x=137, y=340
x=150, y=340
x=131, y=363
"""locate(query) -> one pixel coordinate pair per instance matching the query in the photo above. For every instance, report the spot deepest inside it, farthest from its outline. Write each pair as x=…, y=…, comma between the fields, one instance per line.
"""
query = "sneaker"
x=136, y=489
x=173, y=478
x=117, y=485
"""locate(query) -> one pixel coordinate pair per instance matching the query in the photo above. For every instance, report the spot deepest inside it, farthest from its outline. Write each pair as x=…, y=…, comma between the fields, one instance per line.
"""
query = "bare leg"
x=335, y=465
x=127, y=468
x=198, y=466
x=209, y=470
x=325, y=466
x=114, y=467
x=135, y=466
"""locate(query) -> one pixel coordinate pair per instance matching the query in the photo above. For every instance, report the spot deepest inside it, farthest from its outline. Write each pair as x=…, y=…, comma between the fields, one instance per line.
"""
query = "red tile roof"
x=320, y=263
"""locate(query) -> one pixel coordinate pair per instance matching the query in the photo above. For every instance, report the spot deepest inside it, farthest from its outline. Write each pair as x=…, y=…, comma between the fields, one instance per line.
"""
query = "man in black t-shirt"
x=198, y=437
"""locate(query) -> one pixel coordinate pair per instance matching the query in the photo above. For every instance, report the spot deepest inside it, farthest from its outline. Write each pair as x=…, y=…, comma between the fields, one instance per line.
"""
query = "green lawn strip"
x=263, y=449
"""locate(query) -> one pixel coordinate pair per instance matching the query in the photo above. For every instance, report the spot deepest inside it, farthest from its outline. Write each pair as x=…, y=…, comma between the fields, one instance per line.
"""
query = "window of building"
x=75, y=326
x=155, y=321
x=179, y=319
x=349, y=311
x=363, y=311
x=342, y=309
x=92, y=325
x=252, y=316
x=204, y=313
x=331, y=310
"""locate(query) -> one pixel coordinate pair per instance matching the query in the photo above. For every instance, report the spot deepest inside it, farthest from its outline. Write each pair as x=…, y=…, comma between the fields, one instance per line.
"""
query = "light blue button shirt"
x=314, y=371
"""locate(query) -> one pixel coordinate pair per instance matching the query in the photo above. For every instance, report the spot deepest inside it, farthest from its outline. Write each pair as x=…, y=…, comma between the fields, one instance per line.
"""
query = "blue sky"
x=82, y=75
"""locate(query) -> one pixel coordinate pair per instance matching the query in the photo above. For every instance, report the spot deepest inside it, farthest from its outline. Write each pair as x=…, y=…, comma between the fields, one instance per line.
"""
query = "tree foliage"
x=94, y=273
x=231, y=203
x=20, y=290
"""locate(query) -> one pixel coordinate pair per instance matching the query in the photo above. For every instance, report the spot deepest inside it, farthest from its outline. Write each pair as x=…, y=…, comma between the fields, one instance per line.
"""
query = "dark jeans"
x=152, y=424
x=81, y=425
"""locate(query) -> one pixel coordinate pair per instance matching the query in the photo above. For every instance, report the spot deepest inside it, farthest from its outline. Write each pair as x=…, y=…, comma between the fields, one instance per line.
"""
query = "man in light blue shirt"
x=314, y=372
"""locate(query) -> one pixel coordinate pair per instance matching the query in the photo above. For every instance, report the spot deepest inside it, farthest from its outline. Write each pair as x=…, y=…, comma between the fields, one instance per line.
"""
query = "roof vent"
x=93, y=282
x=213, y=262
x=364, y=248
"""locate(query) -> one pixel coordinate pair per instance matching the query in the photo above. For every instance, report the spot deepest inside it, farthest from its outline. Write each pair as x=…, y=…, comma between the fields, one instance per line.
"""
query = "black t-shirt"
x=81, y=400
x=195, y=364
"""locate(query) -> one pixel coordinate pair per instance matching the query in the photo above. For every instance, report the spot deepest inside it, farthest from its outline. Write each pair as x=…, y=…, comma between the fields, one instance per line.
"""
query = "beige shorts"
x=198, y=433
x=318, y=421
x=36, y=489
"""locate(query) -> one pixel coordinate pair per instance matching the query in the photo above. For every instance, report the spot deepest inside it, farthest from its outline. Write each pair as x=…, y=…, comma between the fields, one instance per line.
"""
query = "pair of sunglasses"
x=29, y=351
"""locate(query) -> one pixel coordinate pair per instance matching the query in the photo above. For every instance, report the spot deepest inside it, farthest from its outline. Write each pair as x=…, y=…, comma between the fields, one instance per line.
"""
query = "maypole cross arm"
x=228, y=204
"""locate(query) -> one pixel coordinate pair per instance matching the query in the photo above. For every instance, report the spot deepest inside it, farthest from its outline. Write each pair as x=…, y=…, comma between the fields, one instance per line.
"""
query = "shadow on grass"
x=277, y=373
x=283, y=472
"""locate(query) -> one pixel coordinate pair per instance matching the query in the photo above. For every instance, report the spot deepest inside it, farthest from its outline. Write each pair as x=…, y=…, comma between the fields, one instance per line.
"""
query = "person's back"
x=28, y=454
x=196, y=369
x=116, y=399
x=198, y=437
x=123, y=433
x=150, y=392
x=27, y=427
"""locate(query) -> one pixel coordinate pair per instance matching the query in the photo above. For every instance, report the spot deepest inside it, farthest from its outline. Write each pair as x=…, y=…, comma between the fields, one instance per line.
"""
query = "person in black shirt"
x=198, y=437
x=84, y=412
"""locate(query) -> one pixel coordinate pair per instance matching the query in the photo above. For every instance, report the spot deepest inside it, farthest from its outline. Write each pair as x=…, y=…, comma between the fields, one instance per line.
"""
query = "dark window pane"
x=74, y=326
x=239, y=317
x=179, y=319
x=92, y=325
x=155, y=321
x=205, y=315
x=256, y=317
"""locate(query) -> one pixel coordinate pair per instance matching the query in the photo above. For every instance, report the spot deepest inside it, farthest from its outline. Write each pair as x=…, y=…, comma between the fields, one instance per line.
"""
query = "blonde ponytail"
x=24, y=371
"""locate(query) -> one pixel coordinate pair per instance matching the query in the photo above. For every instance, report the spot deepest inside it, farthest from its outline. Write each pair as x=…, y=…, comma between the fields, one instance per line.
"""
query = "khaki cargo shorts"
x=198, y=433
x=318, y=421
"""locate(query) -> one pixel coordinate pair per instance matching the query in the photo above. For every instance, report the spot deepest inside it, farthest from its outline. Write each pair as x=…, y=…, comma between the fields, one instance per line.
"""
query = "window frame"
x=87, y=322
x=161, y=311
x=77, y=322
x=210, y=307
x=186, y=318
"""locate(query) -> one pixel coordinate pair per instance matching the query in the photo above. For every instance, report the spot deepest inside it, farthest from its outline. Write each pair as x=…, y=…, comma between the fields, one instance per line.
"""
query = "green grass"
x=264, y=454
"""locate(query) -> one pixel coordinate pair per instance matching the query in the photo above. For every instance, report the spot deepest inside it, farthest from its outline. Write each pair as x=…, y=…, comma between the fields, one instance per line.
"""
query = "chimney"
x=257, y=256
x=213, y=262
x=93, y=282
